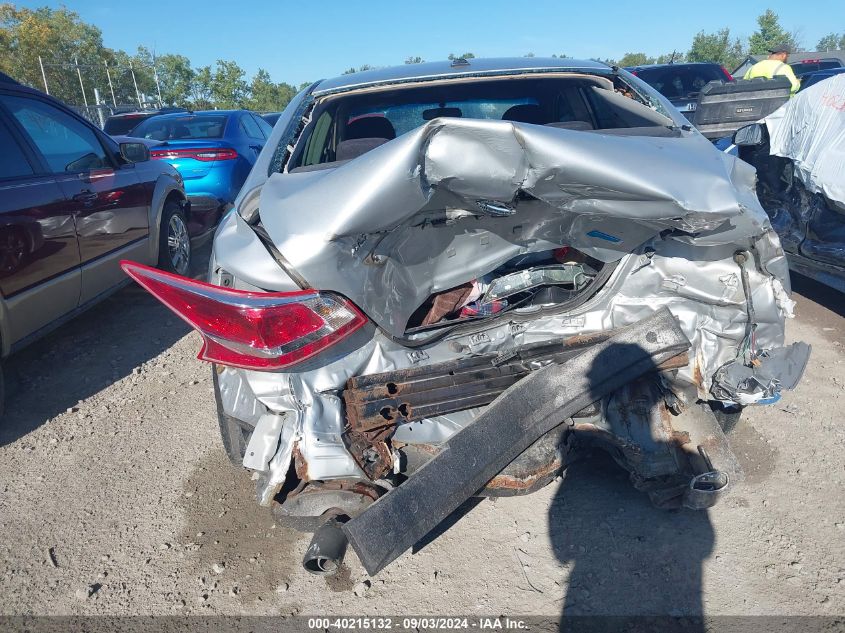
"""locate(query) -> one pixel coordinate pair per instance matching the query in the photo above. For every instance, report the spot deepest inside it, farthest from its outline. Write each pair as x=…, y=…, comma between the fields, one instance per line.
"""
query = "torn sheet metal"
x=699, y=285
x=519, y=417
x=773, y=371
x=412, y=217
x=810, y=130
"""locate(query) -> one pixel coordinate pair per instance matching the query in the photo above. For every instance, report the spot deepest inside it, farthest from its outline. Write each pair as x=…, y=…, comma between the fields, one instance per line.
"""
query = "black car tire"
x=174, y=242
x=2, y=393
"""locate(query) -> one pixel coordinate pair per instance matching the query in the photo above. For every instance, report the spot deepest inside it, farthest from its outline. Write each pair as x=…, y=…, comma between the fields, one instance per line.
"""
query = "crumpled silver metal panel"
x=393, y=222
x=365, y=230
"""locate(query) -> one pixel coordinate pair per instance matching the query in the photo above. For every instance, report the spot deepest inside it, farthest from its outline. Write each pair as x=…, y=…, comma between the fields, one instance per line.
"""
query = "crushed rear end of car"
x=476, y=301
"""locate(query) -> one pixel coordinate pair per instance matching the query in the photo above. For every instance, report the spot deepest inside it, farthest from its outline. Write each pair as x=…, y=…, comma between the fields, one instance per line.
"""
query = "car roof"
x=182, y=115
x=5, y=79
x=673, y=64
x=153, y=112
x=445, y=69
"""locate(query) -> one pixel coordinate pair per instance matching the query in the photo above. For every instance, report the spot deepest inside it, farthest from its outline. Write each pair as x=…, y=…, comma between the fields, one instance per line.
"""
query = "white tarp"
x=810, y=130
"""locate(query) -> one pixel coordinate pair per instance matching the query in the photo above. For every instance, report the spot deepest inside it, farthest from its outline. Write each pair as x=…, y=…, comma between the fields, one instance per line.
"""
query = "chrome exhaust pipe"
x=704, y=490
x=327, y=548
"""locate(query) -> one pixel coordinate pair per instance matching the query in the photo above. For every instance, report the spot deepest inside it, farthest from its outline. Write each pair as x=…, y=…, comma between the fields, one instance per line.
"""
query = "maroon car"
x=73, y=203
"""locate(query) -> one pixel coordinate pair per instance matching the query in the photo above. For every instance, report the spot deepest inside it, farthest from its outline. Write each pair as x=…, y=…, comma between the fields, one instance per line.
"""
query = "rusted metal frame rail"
x=399, y=397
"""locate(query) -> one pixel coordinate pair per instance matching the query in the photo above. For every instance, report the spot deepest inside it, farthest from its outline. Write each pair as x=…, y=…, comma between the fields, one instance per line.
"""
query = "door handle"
x=86, y=197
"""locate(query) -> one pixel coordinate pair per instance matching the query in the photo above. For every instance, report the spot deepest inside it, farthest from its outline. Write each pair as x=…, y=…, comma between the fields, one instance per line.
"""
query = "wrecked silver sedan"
x=440, y=280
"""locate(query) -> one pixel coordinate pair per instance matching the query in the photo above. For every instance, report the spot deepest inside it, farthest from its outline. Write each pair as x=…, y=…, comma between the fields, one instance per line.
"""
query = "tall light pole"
x=134, y=81
x=111, y=87
x=43, y=75
x=81, y=85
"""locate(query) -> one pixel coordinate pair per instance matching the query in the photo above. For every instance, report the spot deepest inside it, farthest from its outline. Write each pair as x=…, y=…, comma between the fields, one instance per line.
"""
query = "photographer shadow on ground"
x=623, y=556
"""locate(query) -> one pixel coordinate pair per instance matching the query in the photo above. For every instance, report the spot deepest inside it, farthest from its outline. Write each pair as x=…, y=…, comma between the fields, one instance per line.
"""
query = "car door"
x=109, y=203
x=39, y=254
x=824, y=238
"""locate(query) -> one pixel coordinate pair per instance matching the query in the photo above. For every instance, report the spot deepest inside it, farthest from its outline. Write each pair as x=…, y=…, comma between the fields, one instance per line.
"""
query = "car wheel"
x=174, y=250
x=14, y=247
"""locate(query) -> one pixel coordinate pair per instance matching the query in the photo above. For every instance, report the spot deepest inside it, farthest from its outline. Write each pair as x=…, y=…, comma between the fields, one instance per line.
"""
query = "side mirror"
x=134, y=152
x=752, y=135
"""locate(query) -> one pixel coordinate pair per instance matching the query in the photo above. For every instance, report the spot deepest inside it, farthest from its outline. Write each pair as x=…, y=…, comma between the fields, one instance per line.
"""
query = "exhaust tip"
x=325, y=553
x=704, y=490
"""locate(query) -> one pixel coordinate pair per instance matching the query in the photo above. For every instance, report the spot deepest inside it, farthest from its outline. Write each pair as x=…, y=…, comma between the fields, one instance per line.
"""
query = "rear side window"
x=67, y=144
x=266, y=128
x=680, y=82
x=13, y=163
x=121, y=125
x=170, y=128
x=250, y=127
x=813, y=65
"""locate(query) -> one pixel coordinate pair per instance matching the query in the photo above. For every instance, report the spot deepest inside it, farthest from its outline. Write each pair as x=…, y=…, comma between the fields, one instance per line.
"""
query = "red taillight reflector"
x=725, y=72
x=254, y=330
x=205, y=154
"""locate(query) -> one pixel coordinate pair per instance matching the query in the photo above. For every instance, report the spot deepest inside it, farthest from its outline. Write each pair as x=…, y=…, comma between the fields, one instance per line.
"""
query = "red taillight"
x=205, y=154
x=725, y=72
x=254, y=330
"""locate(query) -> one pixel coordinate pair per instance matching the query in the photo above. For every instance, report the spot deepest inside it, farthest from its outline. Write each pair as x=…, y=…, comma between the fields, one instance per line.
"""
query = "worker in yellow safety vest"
x=773, y=66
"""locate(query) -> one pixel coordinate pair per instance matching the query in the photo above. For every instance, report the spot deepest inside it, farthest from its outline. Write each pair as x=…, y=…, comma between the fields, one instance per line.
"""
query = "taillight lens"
x=728, y=76
x=205, y=154
x=254, y=330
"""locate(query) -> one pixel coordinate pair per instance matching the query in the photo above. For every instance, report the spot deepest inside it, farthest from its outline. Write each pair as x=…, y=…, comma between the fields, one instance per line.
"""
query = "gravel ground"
x=116, y=498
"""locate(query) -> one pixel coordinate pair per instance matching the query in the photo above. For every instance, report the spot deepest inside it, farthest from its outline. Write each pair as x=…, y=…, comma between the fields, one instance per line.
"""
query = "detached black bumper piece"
x=516, y=419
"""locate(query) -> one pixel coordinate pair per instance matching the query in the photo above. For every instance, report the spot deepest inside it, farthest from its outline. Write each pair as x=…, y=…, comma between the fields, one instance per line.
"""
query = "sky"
x=306, y=41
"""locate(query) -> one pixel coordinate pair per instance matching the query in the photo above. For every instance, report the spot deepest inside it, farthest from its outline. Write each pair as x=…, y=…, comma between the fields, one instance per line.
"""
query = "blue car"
x=213, y=150
x=811, y=79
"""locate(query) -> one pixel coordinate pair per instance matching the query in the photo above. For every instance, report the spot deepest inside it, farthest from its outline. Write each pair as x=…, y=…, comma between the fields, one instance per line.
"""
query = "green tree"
x=528, y=55
x=635, y=59
x=59, y=37
x=831, y=42
x=201, y=93
x=718, y=47
x=174, y=75
x=453, y=57
x=414, y=60
x=120, y=65
x=229, y=88
x=770, y=33
x=670, y=58
x=360, y=69
x=267, y=96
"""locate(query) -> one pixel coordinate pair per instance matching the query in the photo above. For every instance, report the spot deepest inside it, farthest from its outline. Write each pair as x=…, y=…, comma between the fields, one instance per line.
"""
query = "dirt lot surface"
x=116, y=498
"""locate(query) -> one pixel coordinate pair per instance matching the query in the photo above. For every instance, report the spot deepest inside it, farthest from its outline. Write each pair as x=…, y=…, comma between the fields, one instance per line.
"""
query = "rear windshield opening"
x=177, y=128
x=344, y=127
